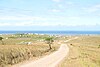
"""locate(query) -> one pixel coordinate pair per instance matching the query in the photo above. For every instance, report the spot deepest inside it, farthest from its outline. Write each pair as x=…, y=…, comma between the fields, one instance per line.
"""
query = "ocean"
x=53, y=32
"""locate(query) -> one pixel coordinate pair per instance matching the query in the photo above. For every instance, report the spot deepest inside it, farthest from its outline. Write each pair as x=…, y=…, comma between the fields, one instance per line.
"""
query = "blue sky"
x=50, y=15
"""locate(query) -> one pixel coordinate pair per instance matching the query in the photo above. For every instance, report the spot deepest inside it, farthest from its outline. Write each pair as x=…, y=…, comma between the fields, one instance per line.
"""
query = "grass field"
x=16, y=49
x=84, y=52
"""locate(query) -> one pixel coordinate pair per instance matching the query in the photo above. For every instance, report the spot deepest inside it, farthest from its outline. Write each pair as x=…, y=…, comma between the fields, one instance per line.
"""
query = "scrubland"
x=84, y=52
x=18, y=48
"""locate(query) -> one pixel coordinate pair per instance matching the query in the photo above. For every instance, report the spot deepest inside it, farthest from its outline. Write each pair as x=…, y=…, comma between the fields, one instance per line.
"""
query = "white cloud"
x=69, y=3
x=57, y=0
x=23, y=24
x=40, y=21
x=74, y=18
x=21, y=18
x=14, y=24
x=55, y=10
x=92, y=8
x=97, y=6
x=5, y=24
x=30, y=23
x=60, y=6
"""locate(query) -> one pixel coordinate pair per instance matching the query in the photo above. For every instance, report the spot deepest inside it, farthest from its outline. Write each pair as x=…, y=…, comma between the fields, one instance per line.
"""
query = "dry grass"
x=12, y=53
x=84, y=52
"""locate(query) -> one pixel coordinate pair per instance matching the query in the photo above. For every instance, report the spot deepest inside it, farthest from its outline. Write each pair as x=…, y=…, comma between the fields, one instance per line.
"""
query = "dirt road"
x=50, y=60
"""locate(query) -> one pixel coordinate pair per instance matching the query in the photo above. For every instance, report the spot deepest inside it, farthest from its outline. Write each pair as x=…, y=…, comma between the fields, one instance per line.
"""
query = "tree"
x=99, y=46
x=1, y=38
x=49, y=40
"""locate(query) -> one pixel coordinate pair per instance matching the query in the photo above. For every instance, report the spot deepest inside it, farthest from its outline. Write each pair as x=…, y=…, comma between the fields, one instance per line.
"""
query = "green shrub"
x=99, y=46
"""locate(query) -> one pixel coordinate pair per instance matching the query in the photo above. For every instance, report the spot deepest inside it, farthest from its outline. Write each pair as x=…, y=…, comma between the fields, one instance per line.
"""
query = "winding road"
x=51, y=60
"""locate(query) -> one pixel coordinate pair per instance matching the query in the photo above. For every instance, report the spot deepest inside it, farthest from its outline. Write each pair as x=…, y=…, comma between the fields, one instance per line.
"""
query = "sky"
x=82, y=15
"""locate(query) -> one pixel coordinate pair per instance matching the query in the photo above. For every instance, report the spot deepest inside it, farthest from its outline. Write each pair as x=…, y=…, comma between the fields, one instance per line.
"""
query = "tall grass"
x=12, y=52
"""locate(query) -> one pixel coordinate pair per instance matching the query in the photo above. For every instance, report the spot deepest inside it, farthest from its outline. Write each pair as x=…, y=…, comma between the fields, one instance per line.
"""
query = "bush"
x=99, y=46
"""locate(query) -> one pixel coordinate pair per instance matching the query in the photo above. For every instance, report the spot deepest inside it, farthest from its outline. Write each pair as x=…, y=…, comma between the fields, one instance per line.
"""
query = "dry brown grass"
x=12, y=53
x=84, y=52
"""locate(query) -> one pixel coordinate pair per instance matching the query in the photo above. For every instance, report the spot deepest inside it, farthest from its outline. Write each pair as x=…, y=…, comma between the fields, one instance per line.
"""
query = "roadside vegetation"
x=21, y=47
x=1, y=39
x=84, y=52
x=49, y=41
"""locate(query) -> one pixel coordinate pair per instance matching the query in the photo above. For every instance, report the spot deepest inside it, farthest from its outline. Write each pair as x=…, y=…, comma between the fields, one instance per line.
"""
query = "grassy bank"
x=16, y=49
x=12, y=54
x=84, y=52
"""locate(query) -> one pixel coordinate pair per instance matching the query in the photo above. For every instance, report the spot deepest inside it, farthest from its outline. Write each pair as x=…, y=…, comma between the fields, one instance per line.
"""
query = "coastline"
x=52, y=32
